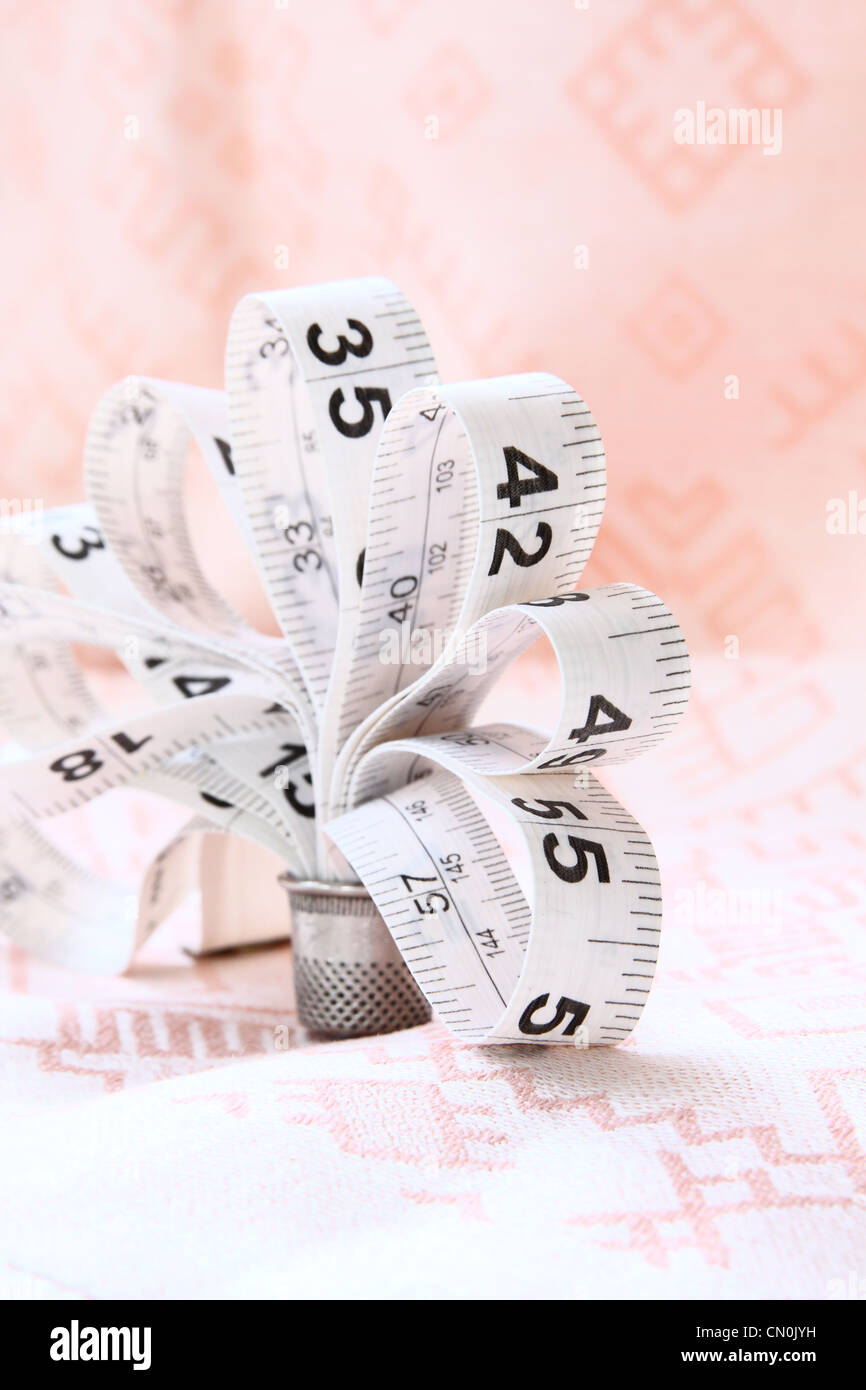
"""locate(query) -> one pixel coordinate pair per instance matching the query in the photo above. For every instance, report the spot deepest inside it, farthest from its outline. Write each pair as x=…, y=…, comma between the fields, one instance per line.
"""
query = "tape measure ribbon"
x=414, y=538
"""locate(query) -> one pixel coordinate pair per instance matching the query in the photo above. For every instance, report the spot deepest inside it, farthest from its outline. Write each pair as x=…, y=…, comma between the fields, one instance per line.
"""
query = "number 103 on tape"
x=414, y=538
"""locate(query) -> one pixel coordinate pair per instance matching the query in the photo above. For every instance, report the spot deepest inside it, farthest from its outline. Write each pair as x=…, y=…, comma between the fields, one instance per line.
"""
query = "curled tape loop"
x=415, y=538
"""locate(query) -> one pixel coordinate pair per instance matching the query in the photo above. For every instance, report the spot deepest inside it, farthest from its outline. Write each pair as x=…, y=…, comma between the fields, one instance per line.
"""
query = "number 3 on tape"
x=414, y=539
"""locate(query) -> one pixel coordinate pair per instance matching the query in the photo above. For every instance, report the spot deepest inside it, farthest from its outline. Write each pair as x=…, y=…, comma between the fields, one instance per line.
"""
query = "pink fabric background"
x=721, y=1152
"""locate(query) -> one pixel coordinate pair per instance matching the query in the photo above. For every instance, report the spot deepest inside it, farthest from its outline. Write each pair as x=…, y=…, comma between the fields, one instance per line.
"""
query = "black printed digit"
x=303, y=808
x=90, y=539
x=366, y=396
x=193, y=686
x=216, y=801
x=574, y=873
x=293, y=750
x=333, y=357
x=130, y=745
x=617, y=721
x=543, y=480
x=226, y=454
x=566, y=1006
x=74, y=767
x=430, y=903
x=556, y=601
x=524, y=558
x=586, y=755
x=552, y=809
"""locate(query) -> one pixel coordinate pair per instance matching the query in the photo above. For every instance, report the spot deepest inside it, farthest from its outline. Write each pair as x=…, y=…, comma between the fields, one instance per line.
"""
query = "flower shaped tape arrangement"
x=414, y=539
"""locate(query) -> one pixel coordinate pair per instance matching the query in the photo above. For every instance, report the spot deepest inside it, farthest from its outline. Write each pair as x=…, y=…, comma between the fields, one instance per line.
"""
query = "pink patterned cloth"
x=708, y=301
x=172, y=1133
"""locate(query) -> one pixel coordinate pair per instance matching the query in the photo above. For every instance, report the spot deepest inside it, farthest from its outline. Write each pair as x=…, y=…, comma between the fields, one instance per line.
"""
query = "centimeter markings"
x=412, y=460
x=439, y=826
x=458, y=687
x=447, y=697
x=166, y=653
x=654, y=619
x=84, y=564
x=218, y=789
x=230, y=805
x=588, y=474
x=268, y=448
x=139, y=475
x=137, y=449
x=545, y=505
x=448, y=895
x=313, y=375
x=45, y=872
x=311, y=456
x=107, y=758
x=633, y=942
x=421, y=515
x=66, y=620
x=433, y=514
x=478, y=749
x=85, y=921
x=650, y=709
x=44, y=695
x=519, y=491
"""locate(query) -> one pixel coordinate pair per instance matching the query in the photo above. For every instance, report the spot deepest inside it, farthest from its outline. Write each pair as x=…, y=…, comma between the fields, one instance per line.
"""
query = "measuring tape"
x=414, y=539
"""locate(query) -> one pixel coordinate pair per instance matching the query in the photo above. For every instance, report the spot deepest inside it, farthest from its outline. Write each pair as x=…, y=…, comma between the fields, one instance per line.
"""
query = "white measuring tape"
x=414, y=539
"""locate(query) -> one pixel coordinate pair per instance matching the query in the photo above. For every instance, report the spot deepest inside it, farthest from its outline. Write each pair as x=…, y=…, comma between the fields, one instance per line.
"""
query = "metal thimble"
x=350, y=979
